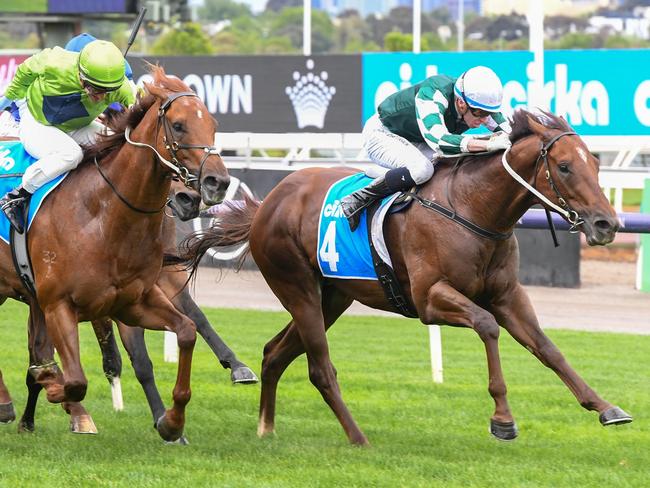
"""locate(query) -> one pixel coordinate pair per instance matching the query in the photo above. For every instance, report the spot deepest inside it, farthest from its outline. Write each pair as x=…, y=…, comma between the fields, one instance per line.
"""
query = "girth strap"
x=386, y=275
x=452, y=215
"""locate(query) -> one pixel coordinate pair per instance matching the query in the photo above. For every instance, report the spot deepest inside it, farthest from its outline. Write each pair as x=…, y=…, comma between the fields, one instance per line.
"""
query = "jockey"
x=59, y=94
x=77, y=43
x=415, y=126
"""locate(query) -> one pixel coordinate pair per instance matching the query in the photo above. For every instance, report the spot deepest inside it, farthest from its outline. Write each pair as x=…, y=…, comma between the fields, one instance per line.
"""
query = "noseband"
x=563, y=208
x=177, y=167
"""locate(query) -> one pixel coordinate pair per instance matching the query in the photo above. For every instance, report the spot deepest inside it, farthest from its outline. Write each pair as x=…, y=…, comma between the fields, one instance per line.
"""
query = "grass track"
x=422, y=434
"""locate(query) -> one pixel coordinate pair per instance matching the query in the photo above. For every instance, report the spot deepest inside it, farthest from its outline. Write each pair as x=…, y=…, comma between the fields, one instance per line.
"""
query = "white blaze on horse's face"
x=199, y=114
x=583, y=155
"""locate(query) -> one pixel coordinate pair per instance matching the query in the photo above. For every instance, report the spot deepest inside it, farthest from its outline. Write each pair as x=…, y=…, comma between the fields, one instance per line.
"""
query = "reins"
x=176, y=166
x=563, y=208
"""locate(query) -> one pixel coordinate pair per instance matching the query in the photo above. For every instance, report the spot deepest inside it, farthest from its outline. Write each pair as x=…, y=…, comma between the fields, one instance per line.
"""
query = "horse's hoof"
x=7, y=413
x=614, y=416
x=166, y=431
x=503, y=431
x=181, y=441
x=25, y=427
x=82, y=424
x=243, y=375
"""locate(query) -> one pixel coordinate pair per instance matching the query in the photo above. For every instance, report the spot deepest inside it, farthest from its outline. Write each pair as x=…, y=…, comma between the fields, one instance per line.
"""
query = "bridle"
x=178, y=169
x=562, y=207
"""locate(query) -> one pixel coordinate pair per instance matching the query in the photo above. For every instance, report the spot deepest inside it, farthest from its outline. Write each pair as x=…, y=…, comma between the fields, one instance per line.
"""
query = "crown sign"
x=310, y=97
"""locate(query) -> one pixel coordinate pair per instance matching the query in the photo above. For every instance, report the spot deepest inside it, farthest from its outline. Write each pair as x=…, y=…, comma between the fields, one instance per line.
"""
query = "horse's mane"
x=117, y=122
x=520, y=124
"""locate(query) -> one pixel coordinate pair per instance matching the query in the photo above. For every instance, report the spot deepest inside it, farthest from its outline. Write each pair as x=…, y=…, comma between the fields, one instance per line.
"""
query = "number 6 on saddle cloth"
x=14, y=160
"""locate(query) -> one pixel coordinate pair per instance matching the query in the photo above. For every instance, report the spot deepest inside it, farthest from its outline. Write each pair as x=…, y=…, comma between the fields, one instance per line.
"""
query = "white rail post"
x=171, y=348
x=435, y=345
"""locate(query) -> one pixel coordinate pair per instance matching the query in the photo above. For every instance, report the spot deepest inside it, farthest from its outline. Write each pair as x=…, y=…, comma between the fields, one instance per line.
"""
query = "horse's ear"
x=536, y=127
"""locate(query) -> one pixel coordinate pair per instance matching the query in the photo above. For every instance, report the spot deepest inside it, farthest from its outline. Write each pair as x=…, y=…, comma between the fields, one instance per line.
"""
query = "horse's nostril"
x=216, y=184
x=604, y=225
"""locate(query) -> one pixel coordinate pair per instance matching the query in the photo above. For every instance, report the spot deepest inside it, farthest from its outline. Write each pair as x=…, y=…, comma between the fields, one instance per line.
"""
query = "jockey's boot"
x=395, y=180
x=13, y=206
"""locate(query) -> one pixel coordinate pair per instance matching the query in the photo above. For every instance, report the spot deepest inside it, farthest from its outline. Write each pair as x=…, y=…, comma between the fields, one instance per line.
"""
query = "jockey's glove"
x=4, y=103
x=498, y=141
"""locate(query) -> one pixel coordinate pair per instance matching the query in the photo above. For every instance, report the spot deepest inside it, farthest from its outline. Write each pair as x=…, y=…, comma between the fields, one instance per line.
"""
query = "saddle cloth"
x=14, y=160
x=342, y=253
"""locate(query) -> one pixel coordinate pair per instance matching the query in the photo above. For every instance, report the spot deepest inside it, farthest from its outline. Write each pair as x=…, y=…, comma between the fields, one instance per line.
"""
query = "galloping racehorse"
x=43, y=372
x=450, y=274
x=97, y=247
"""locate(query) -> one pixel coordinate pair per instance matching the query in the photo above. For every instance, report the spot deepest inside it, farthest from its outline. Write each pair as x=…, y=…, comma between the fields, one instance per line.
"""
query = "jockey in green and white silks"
x=415, y=126
x=60, y=94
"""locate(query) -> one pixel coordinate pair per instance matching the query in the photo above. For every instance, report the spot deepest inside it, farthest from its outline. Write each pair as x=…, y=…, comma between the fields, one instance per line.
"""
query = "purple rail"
x=632, y=223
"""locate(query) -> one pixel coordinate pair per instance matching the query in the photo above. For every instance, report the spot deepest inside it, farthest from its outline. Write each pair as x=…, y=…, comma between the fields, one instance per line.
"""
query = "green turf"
x=19, y=6
x=422, y=434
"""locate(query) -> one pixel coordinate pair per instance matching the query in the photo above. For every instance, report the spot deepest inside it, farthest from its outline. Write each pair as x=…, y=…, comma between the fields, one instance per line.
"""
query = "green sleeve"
x=25, y=75
x=430, y=106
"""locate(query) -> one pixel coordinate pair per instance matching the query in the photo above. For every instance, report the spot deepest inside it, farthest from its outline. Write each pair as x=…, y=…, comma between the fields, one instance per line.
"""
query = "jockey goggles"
x=477, y=112
x=97, y=90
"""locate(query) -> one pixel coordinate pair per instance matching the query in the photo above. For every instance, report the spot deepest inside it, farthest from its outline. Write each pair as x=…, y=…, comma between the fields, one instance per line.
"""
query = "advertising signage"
x=587, y=87
x=273, y=93
x=74, y=7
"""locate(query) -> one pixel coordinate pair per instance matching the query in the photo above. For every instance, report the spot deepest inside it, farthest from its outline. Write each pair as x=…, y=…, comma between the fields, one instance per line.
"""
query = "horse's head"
x=566, y=173
x=184, y=137
x=185, y=202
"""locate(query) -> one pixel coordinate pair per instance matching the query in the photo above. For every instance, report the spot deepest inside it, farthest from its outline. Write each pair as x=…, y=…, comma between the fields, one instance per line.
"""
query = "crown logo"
x=310, y=97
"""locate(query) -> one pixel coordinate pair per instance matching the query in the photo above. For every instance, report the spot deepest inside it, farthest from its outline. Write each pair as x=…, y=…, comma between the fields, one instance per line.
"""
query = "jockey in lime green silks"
x=60, y=94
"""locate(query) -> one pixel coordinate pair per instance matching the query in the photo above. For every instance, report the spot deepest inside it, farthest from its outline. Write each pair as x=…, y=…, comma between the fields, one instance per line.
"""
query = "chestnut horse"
x=185, y=204
x=450, y=274
x=97, y=247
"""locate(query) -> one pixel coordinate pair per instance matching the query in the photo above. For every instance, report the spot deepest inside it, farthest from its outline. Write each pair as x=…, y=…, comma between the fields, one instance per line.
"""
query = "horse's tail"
x=232, y=226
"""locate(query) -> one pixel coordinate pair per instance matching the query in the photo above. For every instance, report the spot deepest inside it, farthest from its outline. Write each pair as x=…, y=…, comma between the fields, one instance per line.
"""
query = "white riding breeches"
x=392, y=151
x=56, y=150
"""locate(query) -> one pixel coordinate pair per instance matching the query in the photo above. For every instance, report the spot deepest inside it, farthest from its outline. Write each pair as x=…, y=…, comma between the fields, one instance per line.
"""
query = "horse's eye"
x=564, y=168
x=178, y=127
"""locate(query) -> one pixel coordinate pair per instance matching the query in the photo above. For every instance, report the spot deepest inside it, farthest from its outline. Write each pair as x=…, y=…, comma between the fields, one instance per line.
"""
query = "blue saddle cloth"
x=341, y=252
x=14, y=160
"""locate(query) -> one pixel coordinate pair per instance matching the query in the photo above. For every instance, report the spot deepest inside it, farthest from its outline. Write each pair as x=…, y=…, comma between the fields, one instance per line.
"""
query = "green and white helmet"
x=101, y=64
x=480, y=87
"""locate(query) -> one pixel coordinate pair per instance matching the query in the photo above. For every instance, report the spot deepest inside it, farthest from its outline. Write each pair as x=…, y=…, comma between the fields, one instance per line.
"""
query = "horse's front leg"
x=7, y=412
x=445, y=305
x=136, y=347
x=111, y=358
x=62, y=327
x=240, y=373
x=156, y=312
x=516, y=314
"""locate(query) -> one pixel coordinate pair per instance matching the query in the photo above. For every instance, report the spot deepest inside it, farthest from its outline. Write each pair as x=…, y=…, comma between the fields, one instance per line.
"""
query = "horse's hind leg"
x=517, y=316
x=239, y=372
x=445, y=305
x=7, y=412
x=293, y=341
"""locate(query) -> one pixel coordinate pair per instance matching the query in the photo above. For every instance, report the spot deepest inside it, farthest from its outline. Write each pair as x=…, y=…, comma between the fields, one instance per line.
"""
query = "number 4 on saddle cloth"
x=14, y=160
x=345, y=254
